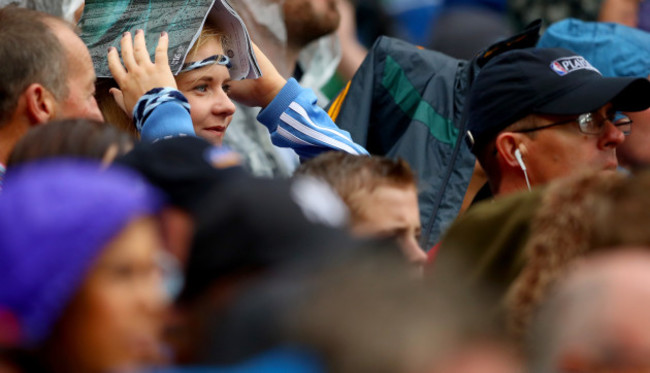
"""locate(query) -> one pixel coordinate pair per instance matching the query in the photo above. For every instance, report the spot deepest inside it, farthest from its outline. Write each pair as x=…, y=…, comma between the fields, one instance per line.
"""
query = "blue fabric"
x=412, y=19
x=284, y=360
x=295, y=120
x=2, y=174
x=499, y=6
x=615, y=50
x=55, y=217
x=162, y=113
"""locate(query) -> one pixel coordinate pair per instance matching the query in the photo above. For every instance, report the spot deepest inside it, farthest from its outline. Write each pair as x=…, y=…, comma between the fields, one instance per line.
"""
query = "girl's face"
x=114, y=321
x=206, y=90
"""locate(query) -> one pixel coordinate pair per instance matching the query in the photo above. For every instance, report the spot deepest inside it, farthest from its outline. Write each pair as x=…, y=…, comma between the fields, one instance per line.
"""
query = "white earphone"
x=522, y=165
x=519, y=160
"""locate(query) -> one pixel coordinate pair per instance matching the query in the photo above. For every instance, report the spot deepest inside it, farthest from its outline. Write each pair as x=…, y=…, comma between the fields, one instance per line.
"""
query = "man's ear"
x=40, y=104
x=507, y=144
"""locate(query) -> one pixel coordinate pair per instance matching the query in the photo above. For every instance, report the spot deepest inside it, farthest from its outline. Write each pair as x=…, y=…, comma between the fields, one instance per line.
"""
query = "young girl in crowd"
x=86, y=296
x=205, y=82
x=198, y=101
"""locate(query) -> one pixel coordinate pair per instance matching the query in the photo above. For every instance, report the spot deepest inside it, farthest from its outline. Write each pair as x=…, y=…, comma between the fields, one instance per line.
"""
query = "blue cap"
x=55, y=218
x=615, y=50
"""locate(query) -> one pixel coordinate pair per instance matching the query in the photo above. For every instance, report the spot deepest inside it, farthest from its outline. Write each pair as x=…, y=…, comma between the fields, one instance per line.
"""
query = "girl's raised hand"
x=138, y=75
x=260, y=91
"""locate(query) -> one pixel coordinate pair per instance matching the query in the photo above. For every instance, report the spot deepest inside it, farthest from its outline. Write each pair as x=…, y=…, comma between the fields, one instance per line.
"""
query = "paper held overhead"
x=104, y=21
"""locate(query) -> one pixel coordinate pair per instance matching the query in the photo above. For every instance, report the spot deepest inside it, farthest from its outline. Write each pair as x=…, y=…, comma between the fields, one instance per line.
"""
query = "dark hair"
x=22, y=360
x=348, y=174
x=83, y=138
x=110, y=110
x=30, y=53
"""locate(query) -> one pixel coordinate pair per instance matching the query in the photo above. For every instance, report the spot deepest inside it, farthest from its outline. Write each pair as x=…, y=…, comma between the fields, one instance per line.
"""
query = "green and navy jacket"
x=407, y=102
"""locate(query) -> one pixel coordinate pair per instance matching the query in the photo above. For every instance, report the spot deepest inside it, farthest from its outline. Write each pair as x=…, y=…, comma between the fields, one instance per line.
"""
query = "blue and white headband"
x=218, y=59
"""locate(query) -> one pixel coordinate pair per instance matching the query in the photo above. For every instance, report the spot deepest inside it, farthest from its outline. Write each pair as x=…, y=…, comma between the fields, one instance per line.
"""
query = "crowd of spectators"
x=474, y=203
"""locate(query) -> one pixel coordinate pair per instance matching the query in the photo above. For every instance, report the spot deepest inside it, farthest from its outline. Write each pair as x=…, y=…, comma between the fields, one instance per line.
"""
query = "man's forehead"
x=389, y=196
x=68, y=39
x=65, y=33
x=58, y=26
x=79, y=60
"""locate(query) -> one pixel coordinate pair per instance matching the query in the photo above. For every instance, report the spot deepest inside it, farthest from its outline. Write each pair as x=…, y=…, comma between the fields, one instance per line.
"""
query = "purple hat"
x=55, y=218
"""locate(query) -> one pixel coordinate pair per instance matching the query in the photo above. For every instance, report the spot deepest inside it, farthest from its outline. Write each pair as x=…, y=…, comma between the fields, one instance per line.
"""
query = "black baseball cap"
x=552, y=81
x=184, y=168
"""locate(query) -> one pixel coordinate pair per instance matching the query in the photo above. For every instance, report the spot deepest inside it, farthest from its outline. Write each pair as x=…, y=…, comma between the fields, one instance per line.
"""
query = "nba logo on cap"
x=566, y=65
x=559, y=70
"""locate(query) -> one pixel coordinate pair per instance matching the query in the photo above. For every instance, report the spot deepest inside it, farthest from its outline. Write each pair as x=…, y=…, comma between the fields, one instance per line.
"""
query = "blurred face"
x=563, y=150
x=308, y=20
x=635, y=152
x=480, y=357
x=625, y=12
x=391, y=211
x=609, y=333
x=206, y=90
x=114, y=320
x=80, y=102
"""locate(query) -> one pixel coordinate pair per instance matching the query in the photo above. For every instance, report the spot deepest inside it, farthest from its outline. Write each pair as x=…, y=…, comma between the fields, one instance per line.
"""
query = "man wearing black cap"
x=535, y=115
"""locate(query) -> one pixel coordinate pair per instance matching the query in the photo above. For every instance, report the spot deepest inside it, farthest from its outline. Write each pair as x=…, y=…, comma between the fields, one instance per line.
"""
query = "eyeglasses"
x=590, y=125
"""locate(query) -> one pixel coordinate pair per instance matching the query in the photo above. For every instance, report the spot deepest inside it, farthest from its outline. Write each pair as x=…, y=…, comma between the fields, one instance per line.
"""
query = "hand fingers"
x=118, y=96
x=115, y=66
x=140, y=48
x=161, y=49
x=127, y=51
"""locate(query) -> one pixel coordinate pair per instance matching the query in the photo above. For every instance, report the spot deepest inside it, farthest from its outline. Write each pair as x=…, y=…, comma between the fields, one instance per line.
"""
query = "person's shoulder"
x=497, y=210
x=490, y=236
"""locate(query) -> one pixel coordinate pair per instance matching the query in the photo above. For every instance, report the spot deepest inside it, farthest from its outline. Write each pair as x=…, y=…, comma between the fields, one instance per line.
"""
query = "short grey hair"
x=30, y=53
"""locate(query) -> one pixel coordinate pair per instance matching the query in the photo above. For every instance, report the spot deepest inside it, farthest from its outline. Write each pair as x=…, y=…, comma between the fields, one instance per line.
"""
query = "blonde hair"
x=208, y=32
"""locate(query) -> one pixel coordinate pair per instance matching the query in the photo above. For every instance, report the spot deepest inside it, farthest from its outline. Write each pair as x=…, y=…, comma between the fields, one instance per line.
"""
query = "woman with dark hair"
x=80, y=138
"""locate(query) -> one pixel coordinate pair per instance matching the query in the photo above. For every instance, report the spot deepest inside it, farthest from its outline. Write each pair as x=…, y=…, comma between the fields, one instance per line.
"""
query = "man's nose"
x=611, y=137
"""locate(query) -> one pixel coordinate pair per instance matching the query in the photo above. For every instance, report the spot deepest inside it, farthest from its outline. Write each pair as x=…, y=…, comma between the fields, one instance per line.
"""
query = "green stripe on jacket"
x=411, y=102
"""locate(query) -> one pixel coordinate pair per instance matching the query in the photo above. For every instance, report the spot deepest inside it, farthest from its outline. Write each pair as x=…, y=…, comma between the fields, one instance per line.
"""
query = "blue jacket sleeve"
x=163, y=113
x=295, y=120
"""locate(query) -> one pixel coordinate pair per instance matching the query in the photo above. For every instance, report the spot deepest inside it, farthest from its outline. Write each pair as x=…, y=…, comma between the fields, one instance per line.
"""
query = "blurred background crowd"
x=410, y=186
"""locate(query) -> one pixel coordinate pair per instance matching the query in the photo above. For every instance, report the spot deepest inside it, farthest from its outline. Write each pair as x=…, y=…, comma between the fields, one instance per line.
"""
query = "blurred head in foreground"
x=596, y=319
x=80, y=286
x=369, y=314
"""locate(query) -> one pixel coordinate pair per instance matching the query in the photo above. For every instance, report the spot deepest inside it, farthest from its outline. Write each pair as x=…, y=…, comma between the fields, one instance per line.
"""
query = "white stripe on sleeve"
x=310, y=132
